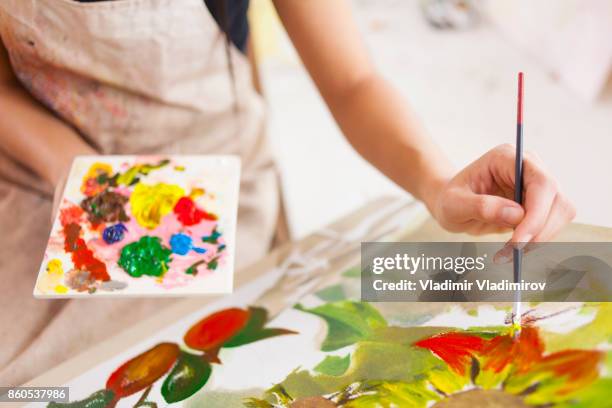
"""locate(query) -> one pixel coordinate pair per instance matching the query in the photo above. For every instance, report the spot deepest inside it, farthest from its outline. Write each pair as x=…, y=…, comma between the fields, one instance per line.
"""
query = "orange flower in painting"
x=519, y=366
x=522, y=352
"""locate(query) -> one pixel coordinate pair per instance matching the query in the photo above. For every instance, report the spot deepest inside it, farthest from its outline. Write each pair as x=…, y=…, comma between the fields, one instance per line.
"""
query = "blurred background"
x=456, y=62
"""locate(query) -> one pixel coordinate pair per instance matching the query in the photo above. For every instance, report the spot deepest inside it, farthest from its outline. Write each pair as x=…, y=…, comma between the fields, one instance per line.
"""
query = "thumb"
x=489, y=209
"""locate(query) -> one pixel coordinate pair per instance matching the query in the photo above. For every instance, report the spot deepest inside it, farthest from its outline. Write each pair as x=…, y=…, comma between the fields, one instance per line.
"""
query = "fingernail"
x=511, y=215
x=501, y=259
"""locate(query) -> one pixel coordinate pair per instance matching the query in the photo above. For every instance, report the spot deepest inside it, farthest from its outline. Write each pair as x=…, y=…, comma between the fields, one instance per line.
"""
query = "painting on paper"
x=332, y=350
x=143, y=226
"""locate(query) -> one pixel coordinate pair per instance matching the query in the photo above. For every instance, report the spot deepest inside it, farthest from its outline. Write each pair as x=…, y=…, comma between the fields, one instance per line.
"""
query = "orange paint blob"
x=143, y=370
x=579, y=367
x=522, y=352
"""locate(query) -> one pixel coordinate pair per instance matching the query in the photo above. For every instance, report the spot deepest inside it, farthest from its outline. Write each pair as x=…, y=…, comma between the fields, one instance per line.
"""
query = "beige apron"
x=132, y=76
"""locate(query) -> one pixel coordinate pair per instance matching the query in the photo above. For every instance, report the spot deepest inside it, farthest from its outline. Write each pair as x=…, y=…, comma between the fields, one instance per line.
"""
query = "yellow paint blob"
x=53, y=280
x=54, y=268
x=61, y=289
x=151, y=203
x=196, y=192
x=95, y=170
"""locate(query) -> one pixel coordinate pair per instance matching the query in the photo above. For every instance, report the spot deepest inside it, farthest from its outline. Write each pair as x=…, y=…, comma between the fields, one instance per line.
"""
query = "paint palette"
x=143, y=226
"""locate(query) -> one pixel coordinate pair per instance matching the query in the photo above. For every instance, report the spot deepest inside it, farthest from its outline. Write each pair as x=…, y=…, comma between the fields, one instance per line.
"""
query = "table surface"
x=408, y=222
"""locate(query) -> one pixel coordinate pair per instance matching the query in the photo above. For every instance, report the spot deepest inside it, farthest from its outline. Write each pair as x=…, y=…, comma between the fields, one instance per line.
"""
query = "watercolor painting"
x=332, y=350
x=184, y=370
x=143, y=226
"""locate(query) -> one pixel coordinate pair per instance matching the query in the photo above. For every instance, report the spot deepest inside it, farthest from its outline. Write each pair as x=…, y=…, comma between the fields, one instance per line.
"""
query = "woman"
x=141, y=76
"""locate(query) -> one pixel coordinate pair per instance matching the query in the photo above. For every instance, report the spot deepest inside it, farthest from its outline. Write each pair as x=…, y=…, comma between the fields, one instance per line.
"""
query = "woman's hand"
x=479, y=199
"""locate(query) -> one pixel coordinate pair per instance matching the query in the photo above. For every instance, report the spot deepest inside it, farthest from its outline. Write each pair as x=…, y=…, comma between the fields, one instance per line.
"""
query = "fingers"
x=540, y=192
x=561, y=213
x=491, y=210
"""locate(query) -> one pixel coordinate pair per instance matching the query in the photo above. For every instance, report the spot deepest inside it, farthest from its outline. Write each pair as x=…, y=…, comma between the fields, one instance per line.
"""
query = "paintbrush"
x=517, y=253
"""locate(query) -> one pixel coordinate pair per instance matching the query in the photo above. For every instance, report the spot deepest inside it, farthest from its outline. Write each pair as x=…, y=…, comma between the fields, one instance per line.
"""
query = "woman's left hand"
x=479, y=199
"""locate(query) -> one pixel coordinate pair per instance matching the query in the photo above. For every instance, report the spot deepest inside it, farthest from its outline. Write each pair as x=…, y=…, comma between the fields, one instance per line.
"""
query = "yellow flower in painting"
x=151, y=203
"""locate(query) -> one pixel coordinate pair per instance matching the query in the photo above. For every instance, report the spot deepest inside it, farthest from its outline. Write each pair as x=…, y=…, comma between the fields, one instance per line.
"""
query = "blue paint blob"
x=180, y=243
x=114, y=233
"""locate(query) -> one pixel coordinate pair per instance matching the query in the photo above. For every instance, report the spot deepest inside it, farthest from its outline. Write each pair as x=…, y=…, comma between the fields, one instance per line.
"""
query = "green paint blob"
x=147, y=256
x=99, y=399
x=187, y=377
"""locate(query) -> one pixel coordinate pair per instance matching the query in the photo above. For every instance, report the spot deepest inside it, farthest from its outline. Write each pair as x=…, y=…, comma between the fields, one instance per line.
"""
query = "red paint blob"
x=82, y=257
x=188, y=212
x=70, y=215
x=210, y=333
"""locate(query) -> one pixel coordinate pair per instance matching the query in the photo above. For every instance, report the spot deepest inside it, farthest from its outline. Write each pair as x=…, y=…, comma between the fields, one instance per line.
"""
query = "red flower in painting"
x=456, y=349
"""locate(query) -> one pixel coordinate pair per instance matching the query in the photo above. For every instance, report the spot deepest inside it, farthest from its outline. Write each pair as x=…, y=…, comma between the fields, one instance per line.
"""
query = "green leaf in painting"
x=370, y=361
x=187, y=377
x=348, y=322
x=597, y=395
x=333, y=365
x=99, y=399
x=254, y=329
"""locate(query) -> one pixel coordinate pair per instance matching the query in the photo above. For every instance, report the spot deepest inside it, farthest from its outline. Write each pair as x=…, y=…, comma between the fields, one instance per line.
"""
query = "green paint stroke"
x=130, y=177
x=348, y=322
x=147, y=256
x=187, y=377
x=254, y=329
x=370, y=361
x=334, y=365
x=591, y=335
x=99, y=399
